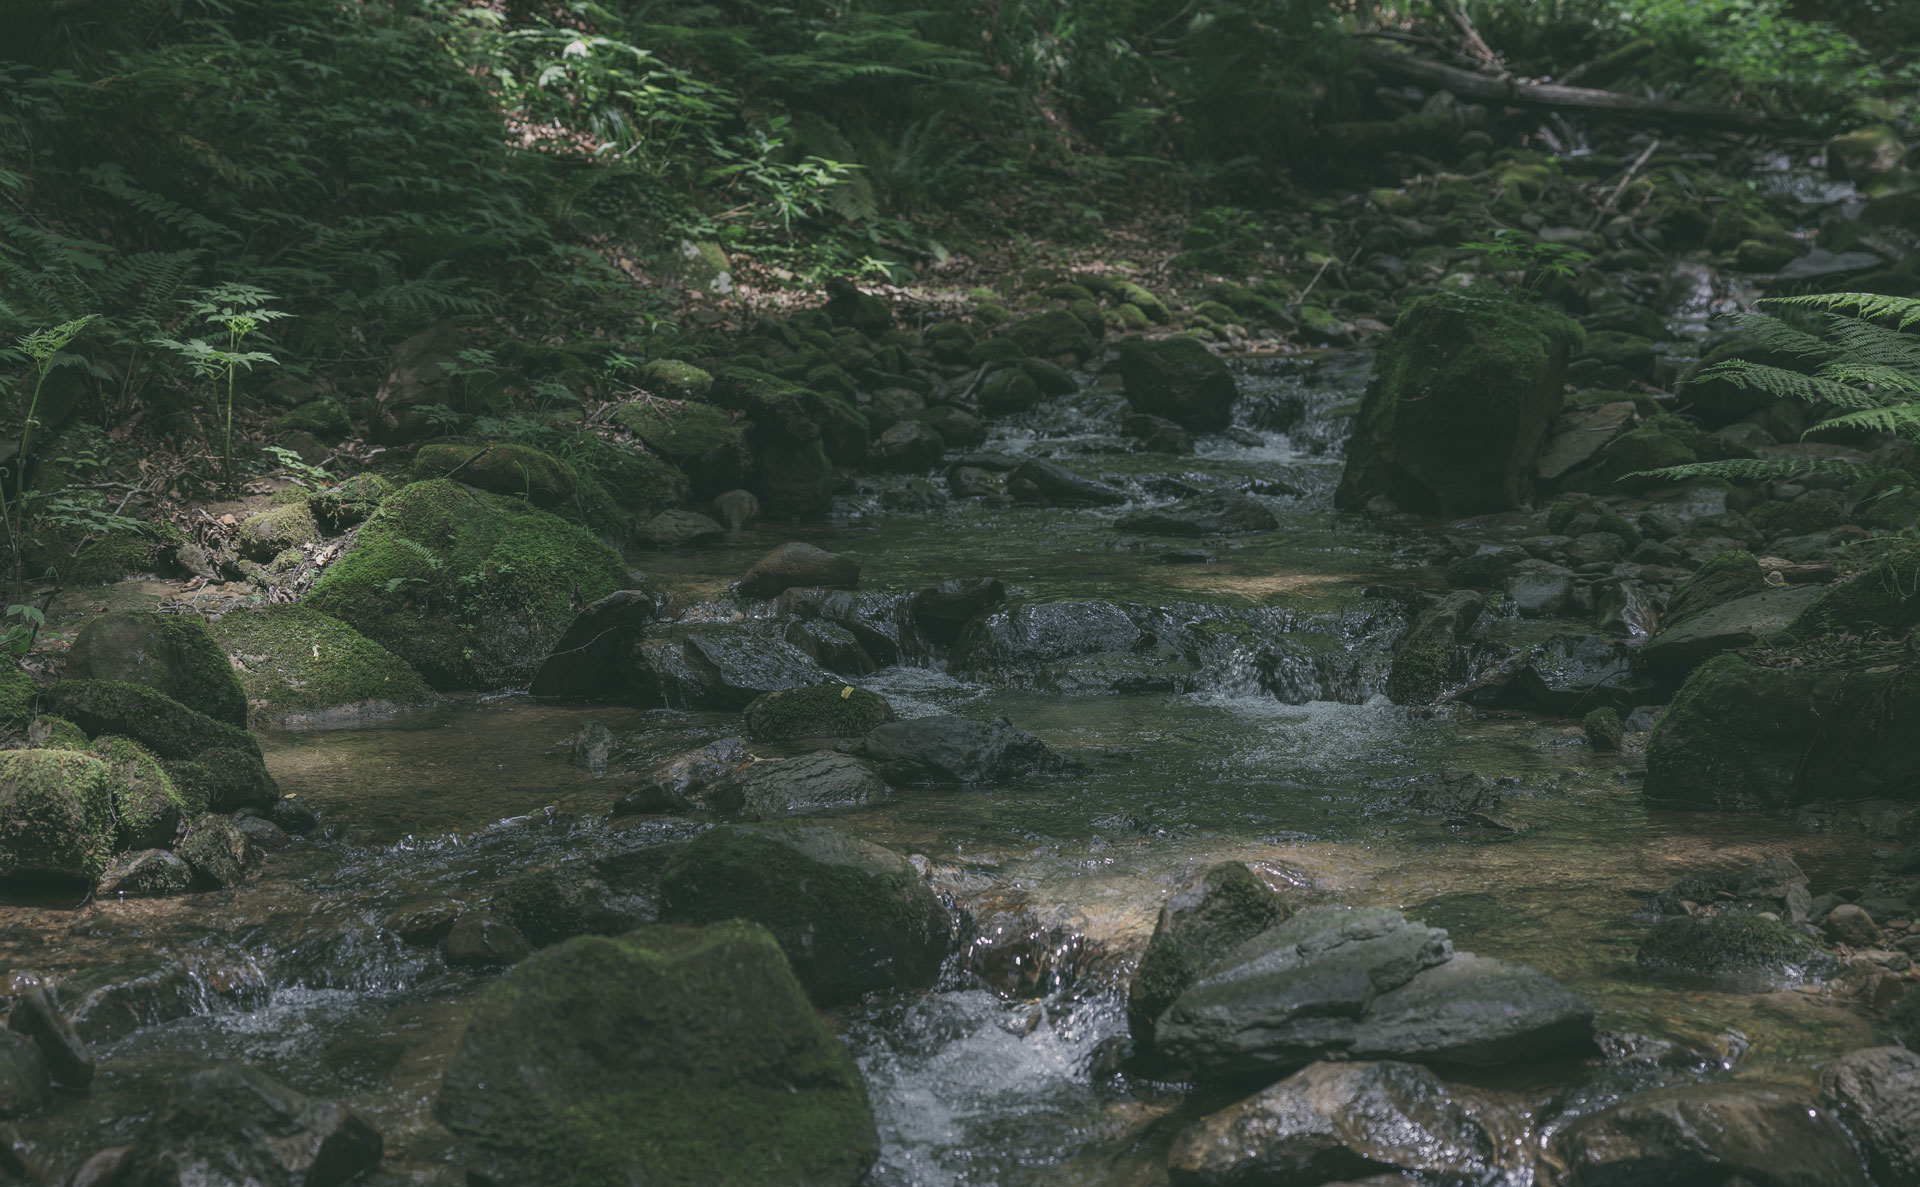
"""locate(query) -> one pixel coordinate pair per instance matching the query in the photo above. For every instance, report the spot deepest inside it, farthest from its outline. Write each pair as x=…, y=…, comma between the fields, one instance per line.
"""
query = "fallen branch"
x=1613, y=199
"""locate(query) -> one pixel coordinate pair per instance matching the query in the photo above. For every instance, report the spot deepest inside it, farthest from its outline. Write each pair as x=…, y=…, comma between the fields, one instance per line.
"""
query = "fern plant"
x=1867, y=373
x=239, y=310
x=43, y=347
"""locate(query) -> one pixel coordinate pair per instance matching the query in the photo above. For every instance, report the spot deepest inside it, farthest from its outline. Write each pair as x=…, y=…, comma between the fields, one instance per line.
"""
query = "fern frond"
x=1778, y=337
x=1755, y=469
x=1868, y=343
x=1906, y=310
x=1892, y=382
x=1791, y=385
x=1900, y=419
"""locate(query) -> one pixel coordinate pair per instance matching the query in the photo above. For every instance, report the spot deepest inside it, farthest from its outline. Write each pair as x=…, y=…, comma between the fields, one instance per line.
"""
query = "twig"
x=1613, y=199
x=1316, y=278
x=1476, y=45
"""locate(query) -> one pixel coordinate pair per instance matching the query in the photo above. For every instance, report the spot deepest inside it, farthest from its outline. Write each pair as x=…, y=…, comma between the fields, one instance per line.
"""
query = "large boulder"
x=56, y=816
x=1709, y=1133
x=1349, y=1120
x=949, y=749
x=589, y=657
x=671, y=1056
x=1215, y=912
x=777, y=787
x=1743, y=736
x=1180, y=379
x=1728, y=626
x=1876, y=1094
x=148, y=809
x=706, y=443
x=851, y=916
x=1463, y=392
x=520, y=471
x=235, y=1124
x=1214, y=513
x=174, y=654
x=302, y=668
x=1363, y=983
x=833, y=710
x=1430, y=654
x=153, y=719
x=791, y=473
x=471, y=589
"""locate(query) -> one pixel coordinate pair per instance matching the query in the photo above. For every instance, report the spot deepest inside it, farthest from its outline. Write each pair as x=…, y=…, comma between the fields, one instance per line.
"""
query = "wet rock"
x=1457, y=795
x=1581, y=434
x=878, y=621
x=1157, y=434
x=147, y=809
x=950, y=749
x=940, y=611
x=216, y=850
x=1215, y=513
x=792, y=786
x=1018, y=955
x=1876, y=1095
x=1057, y=484
x=1850, y=924
x=294, y=814
x=24, y=1085
x=851, y=916
x=679, y=529
x=682, y=781
x=572, y=899
x=423, y=925
x=910, y=447
x=593, y=747
x=1223, y=907
x=163, y=725
x=1709, y=1133
x=304, y=669
x=797, y=564
x=236, y=1124
x=145, y=873
x=56, y=816
x=225, y=778
x=1031, y=634
x=1426, y=658
x=37, y=1016
x=1364, y=984
x=1603, y=730
x=1564, y=673
x=1540, y=594
x=478, y=940
x=589, y=656
x=173, y=654
x=737, y=667
x=1727, y=626
x=736, y=509
x=1463, y=393
x=1733, y=944
x=1345, y=1120
x=820, y=711
x=830, y=645
x=689, y=1052
x=1179, y=379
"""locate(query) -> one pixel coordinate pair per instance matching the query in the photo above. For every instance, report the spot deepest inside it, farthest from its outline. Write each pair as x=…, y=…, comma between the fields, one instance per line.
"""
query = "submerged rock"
x=679, y=529
x=482, y=940
x=677, y=1056
x=682, y=781
x=1347, y=1120
x=1735, y=944
x=948, y=749
x=1214, y=513
x=173, y=654
x=778, y=787
x=236, y=1124
x=794, y=565
x=1215, y=912
x=36, y=1015
x=1709, y=1133
x=852, y=916
x=818, y=711
x=571, y=899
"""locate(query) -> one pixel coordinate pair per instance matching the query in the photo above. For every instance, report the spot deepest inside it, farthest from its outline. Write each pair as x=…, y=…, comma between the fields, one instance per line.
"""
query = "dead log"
x=1481, y=88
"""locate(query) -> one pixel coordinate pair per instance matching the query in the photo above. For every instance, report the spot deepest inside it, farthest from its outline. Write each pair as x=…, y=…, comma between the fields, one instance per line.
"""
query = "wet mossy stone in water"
x=304, y=668
x=851, y=916
x=151, y=718
x=505, y=469
x=174, y=654
x=225, y=778
x=1212, y=914
x=1603, y=729
x=216, y=850
x=1426, y=658
x=941, y=611
x=673, y=1056
x=1699, y=1134
x=1463, y=393
x=235, y=1124
x=147, y=809
x=822, y=711
x=1056, y=333
x=56, y=816
x=957, y=750
x=145, y=873
x=1733, y=944
x=470, y=589
x=1180, y=379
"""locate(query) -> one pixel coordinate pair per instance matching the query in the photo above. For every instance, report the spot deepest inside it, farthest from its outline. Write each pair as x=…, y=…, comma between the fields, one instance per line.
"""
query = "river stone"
x=1213, y=513
x=1427, y=657
x=1032, y=634
x=1180, y=379
x=173, y=654
x=1709, y=1133
x=224, y=778
x=678, y=529
x=1539, y=594
x=776, y=787
x=941, y=611
x=216, y=849
x=235, y=1124
x=1727, y=626
x=1215, y=912
x=818, y=711
x=482, y=940
x=24, y=1084
x=36, y=1015
x=1057, y=484
x=588, y=658
x=567, y=900
x=163, y=725
x=1736, y=944
x=1364, y=983
x=878, y=621
x=796, y=564
x=147, y=809
x=851, y=916
x=739, y=667
x=910, y=447
x=1876, y=1094
x=682, y=781
x=949, y=749
x=305, y=669
x=673, y=1056
x=1344, y=1120
x=1463, y=392
x=830, y=645
x=1457, y=795
x=56, y=816
x=145, y=873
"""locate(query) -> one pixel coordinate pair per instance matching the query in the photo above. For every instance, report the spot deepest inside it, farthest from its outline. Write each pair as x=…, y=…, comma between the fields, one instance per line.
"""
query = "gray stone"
x=950, y=749
x=1213, y=513
x=678, y=529
x=235, y=1124
x=778, y=787
x=1709, y=1133
x=1057, y=484
x=1728, y=626
x=796, y=565
x=1876, y=1094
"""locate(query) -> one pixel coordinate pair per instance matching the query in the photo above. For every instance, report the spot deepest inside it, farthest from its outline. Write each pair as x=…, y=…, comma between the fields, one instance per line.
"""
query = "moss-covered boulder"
x=1882, y=599
x=151, y=718
x=147, y=808
x=676, y=380
x=1179, y=379
x=1733, y=944
x=518, y=470
x=674, y=1056
x=17, y=691
x=706, y=443
x=852, y=917
x=304, y=668
x=174, y=654
x=56, y=816
x=325, y=418
x=1214, y=913
x=350, y=503
x=224, y=778
x=267, y=533
x=216, y=850
x=1429, y=656
x=1732, y=574
x=471, y=589
x=628, y=476
x=1463, y=392
x=791, y=473
x=819, y=711
x=1054, y=334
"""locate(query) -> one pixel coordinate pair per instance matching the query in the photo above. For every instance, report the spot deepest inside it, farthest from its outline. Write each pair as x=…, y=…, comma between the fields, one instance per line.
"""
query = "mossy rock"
x=326, y=418
x=147, y=809
x=791, y=474
x=1733, y=944
x=851, y=916
x=216, y=850
x=224, y=778
x=471, y=589
x=1131, y=319
x=1884, y=599
x=686, y=1056
x=1216, y=912
x=1180, y=379
x=818, y=711
x=505, y=469
x=628, y=477
x=267, y=533
x=349, y=503
x=1603, y=729
x=163, y=725
x=676, y=380
x=305, y=668
x=174, y=654
x=56, y=816
x=1640, y=450
x=104, y=559
x=1814, y=511
x=1053, y=334
x=1732, y=574
x=47, y=732
x=950, y=341
x=707, y=444
x=17, y=691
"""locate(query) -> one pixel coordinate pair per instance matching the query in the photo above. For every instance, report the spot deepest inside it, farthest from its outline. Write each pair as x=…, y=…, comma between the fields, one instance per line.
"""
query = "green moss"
x=101, y=560
x=676, y=380
x=1419, y=672
x=1130, y=318
x=216, y=849
x=820, y=711
x=1051, y=334
x=57, y=811
x=1814, y=511
x=174, y=654
x=16, y=695
x=505, y=469
x=1603, y=729
x=224, y=778
x=153, y=719
x=1884, y=599
x=471, y=589
x=296, y=662
x=699, y=438
x=350, y=502
x=1732, y=574
x=265, y=534
x=1731, y=943
x=147, y=808
x=791, y=475
x=325, y=418
x=56, y=733
x=1638, y=450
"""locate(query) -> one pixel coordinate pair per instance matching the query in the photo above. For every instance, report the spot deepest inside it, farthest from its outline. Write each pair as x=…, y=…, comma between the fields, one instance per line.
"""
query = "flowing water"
x=1276, y=750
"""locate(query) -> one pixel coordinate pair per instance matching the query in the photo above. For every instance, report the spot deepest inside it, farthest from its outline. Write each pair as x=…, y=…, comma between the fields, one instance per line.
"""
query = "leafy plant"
x=299, y=469
x=1533, y=260
x=43, y=347
x=21, y=628
x=237, y=310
